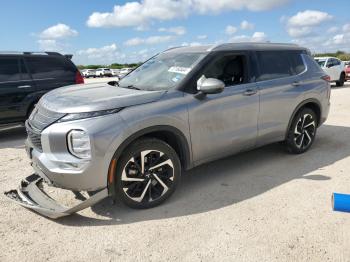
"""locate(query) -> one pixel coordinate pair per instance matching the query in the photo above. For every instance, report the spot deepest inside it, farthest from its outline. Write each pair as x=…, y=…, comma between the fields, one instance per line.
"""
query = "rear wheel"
x=147, y=173
x=341, y=80
x=302, y=131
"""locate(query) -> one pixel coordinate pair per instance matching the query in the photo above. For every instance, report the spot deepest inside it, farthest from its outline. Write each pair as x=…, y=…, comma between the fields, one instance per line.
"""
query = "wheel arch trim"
x=301, y=105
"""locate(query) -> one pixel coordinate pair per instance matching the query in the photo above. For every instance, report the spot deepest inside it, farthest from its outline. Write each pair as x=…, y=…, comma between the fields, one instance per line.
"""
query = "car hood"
x=95, y=97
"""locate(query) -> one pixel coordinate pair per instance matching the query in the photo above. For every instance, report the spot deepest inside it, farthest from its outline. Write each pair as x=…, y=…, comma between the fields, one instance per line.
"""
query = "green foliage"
x=339, y=54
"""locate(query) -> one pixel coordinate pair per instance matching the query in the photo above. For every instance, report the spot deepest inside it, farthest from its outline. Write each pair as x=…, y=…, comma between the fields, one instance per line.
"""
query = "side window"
x=273, y=64
x=336, y=62
x=24, y=72
x=46, y=67
x=9, y=70
x=330, y=62
x=297, y=62
x=229, y=69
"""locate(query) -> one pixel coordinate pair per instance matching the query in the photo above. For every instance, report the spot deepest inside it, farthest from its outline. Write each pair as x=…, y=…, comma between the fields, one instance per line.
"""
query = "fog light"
x=79, y=144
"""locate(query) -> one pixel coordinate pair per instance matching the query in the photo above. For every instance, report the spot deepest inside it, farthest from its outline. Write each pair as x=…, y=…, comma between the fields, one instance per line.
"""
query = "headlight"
x=77, y=116
x=79, y=144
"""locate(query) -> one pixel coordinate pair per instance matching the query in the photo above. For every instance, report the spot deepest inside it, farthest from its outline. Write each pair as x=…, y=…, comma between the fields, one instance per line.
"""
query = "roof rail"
x=29, y=53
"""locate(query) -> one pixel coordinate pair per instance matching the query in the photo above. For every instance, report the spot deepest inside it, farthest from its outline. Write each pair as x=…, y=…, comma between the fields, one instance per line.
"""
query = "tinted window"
x=9, y=70
x=274, y=64
x=336, y=62
x=330, y=62
x=229, y=69
x=297, y=63
x=49, y=67
x=24, y=72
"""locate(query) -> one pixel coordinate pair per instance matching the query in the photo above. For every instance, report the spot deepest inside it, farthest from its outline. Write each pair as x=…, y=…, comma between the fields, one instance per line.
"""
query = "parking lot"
x=262, y=205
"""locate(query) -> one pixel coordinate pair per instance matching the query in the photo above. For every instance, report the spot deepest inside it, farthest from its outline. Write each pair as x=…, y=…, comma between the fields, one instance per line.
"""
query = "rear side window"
x=9, y=70
x=273, y=65
x=49, y=67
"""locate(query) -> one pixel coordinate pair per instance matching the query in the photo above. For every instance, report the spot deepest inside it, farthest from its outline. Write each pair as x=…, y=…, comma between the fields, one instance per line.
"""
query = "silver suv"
x=183, y=107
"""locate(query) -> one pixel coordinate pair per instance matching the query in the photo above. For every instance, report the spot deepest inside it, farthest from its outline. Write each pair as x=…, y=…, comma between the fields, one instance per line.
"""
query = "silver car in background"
x=184, y=107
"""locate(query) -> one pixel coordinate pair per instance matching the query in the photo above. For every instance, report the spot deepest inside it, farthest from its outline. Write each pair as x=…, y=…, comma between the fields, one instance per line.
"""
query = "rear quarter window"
x=297, y=63
x=50, y=67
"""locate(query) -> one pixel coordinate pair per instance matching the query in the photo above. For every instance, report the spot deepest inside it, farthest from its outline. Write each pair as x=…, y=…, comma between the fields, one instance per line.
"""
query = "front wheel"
x=147, y=174
x=302, y=131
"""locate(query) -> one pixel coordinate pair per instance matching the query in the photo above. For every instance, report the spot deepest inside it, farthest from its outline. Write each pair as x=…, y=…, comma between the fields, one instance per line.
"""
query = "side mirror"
x=210, y=85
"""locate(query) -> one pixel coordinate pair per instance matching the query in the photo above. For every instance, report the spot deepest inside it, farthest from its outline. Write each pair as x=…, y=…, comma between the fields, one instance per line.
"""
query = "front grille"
x=42, y=117
x=39, y=119
x=35, y=138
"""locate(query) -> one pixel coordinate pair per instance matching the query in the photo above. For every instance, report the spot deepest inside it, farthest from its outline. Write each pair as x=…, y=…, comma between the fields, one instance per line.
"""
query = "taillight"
x=78, y=78
x=326, y=78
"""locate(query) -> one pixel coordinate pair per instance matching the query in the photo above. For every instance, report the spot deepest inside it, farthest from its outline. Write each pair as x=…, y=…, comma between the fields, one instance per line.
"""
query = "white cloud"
x=143, y=12
x=230, y=30
x=191, y=44
x=346, y=28
x=99, y=55
x=245, y=25
x=50, y=45
x=139, y=13
x=178, y=30
x=303, y=23
x=202, y=37
x=309, y=18
x=99, y=52
x=333, y=29
x=152, y=40
x=256, y=37
x=57, y=32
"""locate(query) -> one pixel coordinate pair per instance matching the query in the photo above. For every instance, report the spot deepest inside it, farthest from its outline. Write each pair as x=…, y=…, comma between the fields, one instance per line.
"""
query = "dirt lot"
x=263, y=205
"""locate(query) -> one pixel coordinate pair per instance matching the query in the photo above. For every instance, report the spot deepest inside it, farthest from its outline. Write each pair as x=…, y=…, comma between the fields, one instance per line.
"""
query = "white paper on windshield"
x=179, y=70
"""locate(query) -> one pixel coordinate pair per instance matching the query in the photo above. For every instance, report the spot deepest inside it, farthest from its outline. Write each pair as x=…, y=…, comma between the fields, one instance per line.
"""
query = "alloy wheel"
x=147, y=176
x=304, y=131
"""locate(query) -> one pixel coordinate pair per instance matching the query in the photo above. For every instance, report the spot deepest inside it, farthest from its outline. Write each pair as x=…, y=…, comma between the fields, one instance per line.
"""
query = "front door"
x=224, y=123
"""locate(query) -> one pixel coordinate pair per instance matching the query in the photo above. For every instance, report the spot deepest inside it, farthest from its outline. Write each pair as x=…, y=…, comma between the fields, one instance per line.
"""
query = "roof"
x=237, y=47
x=29, y=53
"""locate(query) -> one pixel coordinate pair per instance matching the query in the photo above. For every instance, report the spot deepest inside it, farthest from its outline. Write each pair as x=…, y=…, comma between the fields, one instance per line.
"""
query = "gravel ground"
x=263, y=205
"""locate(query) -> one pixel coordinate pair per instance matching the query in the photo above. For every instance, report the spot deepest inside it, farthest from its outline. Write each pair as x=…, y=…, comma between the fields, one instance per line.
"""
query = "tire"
x=341, y=80
x=302, y=132
x=136, y=185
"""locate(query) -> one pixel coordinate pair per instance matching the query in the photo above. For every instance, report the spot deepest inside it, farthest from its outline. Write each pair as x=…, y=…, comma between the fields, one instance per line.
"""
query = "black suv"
x=26, y=77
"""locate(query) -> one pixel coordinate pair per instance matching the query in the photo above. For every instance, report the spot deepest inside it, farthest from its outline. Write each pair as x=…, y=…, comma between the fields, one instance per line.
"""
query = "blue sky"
x=129, y=31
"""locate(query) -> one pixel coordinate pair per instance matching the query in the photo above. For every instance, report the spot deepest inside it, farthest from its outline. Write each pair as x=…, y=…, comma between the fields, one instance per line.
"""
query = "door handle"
x=25, y=86
x=296, y=83
x=250, y=92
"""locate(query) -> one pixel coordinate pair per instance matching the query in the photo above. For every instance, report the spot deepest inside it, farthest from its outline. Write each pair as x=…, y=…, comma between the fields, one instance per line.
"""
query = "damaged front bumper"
x=30, y=194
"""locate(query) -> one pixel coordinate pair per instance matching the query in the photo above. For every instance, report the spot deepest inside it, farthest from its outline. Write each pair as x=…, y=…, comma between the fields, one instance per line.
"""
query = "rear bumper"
x=31, y=195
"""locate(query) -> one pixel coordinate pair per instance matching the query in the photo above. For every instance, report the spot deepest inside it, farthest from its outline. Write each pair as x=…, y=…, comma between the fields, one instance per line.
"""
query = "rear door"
x=16, y=89
x=280, y=92
x=50, y=72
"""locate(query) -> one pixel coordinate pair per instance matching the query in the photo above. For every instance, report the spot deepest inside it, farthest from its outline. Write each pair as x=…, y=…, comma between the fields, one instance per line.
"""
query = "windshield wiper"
x=131, y=87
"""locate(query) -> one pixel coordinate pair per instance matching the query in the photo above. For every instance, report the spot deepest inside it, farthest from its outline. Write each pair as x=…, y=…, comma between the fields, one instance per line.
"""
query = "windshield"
x=162, y=72
x=321, y=62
